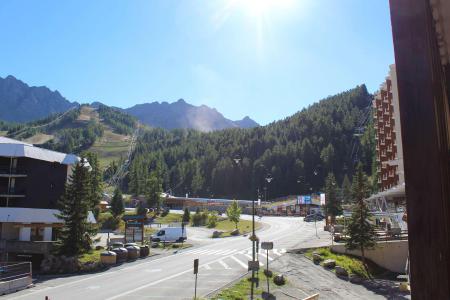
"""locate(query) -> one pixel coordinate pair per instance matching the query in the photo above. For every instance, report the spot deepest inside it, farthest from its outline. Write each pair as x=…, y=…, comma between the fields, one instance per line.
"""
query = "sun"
x=261, y=8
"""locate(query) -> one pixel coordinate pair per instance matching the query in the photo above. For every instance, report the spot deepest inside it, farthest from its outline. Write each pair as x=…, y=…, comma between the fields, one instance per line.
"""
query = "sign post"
x=267, y=246
x=196, y=274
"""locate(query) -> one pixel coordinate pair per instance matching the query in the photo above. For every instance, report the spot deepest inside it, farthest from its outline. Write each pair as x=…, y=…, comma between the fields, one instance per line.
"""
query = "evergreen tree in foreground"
x=333, y=205
x=234, y=213
x=186, y=216
x=361, y=232
x=117, y=207
x=154, y=190
x=95, y=180
x=76, y=234
x=346, y=190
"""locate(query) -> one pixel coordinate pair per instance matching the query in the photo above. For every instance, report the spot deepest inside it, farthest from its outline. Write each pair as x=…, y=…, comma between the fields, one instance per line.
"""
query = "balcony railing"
x=6, y=171
x=4, y=192
x=15, y=246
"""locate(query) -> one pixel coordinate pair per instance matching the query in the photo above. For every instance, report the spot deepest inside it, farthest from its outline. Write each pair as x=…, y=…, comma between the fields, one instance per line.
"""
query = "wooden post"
x=423, y=113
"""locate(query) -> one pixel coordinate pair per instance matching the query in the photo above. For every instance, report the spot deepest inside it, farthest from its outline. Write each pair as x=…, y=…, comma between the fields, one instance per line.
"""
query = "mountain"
x=298, y=153
x=246, y=123
x=22, y=103
x=184, y=115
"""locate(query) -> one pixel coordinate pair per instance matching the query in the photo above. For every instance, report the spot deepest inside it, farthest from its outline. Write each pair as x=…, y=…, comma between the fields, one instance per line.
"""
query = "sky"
x=263, y=58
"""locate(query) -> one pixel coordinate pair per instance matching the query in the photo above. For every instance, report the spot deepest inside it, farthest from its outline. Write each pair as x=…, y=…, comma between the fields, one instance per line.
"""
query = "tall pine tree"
x=360, y=230
x=76, y=234
x=346, y=190
x=333, y=205
x=117, y=207
x=154, y=190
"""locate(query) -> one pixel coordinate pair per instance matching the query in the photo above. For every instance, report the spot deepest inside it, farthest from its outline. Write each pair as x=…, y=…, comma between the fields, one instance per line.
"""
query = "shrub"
x=212, y=220
x=197, y=219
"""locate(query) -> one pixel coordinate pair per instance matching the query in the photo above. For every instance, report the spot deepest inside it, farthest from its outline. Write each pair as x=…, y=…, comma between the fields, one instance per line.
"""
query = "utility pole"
x=253, y=246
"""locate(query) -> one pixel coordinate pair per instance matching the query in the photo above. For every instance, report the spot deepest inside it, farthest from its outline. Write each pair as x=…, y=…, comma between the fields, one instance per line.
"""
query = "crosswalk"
x=235, y=259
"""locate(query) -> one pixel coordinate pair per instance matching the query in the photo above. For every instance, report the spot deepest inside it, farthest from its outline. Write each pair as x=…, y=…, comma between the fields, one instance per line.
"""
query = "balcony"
x=12, y=193
x=37, y=247
x=6, y=171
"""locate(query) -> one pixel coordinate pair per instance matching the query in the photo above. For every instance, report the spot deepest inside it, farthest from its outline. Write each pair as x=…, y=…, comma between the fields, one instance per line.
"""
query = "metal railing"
x=14, y=270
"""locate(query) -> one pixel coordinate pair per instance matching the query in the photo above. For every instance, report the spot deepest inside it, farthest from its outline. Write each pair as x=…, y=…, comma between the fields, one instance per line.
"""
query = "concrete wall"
x=390, y=255
x=11, y=286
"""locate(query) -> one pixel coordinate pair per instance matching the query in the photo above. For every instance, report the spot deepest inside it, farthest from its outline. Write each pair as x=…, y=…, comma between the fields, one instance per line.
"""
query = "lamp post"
x=268, y=179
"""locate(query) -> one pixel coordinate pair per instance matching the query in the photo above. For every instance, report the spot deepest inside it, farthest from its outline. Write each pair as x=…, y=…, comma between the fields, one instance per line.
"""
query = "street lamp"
x=268, y=179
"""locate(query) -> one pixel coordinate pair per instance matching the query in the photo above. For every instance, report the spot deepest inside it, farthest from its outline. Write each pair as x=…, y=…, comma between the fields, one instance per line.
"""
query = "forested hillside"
x=297, y=152
x=77, y=130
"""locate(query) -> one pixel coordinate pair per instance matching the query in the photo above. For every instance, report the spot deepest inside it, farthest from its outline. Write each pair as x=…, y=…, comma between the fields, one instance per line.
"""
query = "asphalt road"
x=171, y=277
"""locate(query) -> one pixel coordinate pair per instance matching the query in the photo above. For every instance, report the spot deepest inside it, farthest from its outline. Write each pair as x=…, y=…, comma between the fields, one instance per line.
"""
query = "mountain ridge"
x=22, y=103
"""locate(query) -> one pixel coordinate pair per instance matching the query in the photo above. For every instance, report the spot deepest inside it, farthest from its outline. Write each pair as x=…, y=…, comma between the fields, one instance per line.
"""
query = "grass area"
x=352, y=264
x=39, y=138
x=241, y=290
x=169, y=218
x=91, y=256
x=244, y=226
x=110, y=147
x=3, y=132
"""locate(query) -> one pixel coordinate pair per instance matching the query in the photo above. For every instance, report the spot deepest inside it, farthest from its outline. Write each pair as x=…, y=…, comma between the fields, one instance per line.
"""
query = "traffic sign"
x=196, y=266
x=267, y=245
x=253, y=265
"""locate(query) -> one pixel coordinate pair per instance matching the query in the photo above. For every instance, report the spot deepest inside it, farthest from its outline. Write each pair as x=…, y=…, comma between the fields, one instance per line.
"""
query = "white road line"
x=229, y=251
x=249, y=256
x=265, y=255
x=275, y=251
x=207, y=267
x=156, y=282
x=239, y=262
x=224, y=265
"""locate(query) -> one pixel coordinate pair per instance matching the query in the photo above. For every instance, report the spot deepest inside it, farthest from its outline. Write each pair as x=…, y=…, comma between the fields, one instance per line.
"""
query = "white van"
x=170, y=234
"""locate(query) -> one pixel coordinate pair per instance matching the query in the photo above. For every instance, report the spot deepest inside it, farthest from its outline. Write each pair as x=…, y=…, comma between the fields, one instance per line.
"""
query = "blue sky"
x=262, y=58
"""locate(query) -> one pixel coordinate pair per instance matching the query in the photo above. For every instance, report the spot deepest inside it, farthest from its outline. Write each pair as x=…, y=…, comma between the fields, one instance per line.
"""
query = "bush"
x=107, y=221
x=212, y=220
x=197, y=219
x=165, y=212
x=205, y=216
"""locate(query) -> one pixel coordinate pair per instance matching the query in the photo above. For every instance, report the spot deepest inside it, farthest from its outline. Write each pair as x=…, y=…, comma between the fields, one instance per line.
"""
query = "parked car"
x=170, y=234
x=313, y=217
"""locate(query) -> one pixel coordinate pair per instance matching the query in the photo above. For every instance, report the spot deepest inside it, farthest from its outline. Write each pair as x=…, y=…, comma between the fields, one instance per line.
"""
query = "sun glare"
x=260, y=8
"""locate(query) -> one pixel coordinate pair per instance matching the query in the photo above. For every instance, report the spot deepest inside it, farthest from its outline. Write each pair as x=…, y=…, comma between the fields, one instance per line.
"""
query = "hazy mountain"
x=22, y=103
x=184, y=115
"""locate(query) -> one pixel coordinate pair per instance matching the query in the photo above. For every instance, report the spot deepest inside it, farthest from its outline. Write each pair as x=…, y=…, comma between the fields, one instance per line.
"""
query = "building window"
x=37, y=234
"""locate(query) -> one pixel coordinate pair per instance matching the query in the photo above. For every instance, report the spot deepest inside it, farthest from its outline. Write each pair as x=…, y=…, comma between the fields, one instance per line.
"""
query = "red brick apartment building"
x=388, y=134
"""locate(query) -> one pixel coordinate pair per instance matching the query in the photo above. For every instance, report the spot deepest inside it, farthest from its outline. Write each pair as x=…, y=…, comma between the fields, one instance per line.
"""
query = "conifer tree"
x=333, y=205
x=346, y=190
x=360, y=230
x=95, y=180
x=76, y=233
x=117, y=207
x=154, y=190
x=186, y=216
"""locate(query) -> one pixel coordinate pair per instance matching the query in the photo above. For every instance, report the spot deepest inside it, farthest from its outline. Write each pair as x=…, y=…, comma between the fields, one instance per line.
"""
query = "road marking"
x=224, y=265
x=265, y=255
x=275, y=251
x=239, y=262
x=157, y=281
x=248, y=256
x=283, y=251
x=207, y=267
